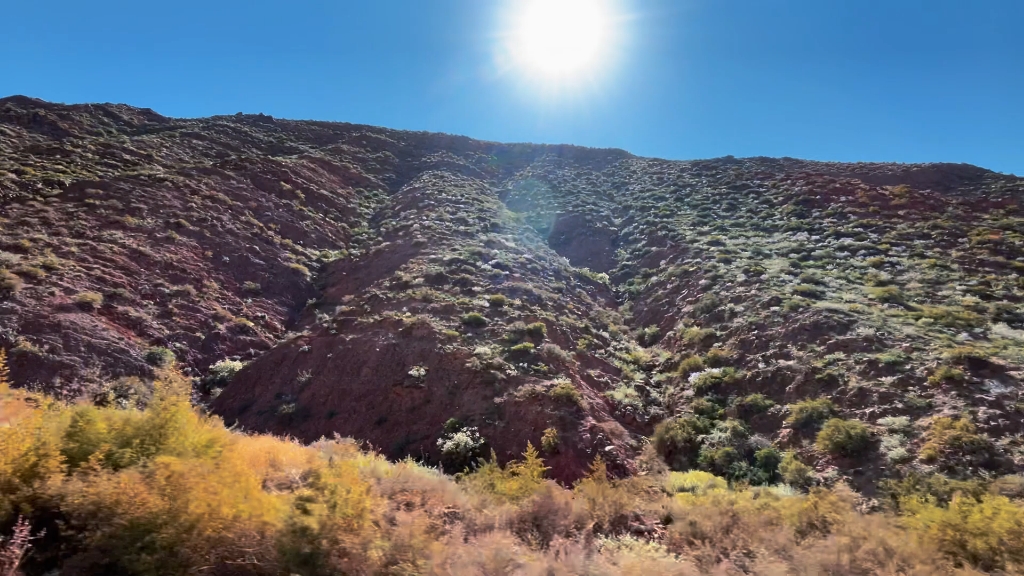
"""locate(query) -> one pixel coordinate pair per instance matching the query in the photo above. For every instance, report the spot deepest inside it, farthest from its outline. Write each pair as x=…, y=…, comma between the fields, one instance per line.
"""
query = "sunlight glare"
x=561, y=39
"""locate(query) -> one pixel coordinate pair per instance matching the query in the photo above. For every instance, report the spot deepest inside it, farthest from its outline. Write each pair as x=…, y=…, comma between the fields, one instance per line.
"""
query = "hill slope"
x=440, y=296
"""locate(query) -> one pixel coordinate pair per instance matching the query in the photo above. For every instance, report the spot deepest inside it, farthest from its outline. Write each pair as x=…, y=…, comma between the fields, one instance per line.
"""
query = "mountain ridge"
x=514, y=288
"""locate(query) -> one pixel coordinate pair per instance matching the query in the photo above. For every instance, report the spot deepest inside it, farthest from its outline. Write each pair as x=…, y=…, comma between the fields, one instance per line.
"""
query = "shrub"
x=810, y=414
x=252, y=287
x=474, y=320
x=705, y=408
x=717, y=357
x=549, y=441
x=517, y=481
x=712, y=379
x=564, y=391
x=522, y=349
x=956, y=442
x=946, y=375
x=159, y=356
x=693, y=481
x=88, y=300
x=752, y=405
x=299, y=268
x=986, y=533
x=537, y=330
x=887, y=294
x=9, y=283
x=708, y=303
x=497, y=301
x=552, y=352
x=649, y=336
x=697, y=336
x=843, y=437
x=221, y=373
x=460, y=448
x=794, y=472
x=678, y=441
x=690, y=365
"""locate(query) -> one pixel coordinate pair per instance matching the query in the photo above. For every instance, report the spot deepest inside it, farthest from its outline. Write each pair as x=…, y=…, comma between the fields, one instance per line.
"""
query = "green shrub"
x=717, y=357
x=794, y=472
x=460, y=447
x=887, y=294
x=946, y=375
x=843, y=437
x=537, y=330
x=690, y=365
x=159, y=356
x=221, y=373
x=522, y=349
x=810, y=414
x=649, y=336
x=708, y=303
x=713, y=379
x=474, y=320
x=956, y=442
x=678, y=441
x=706, y=409
x=564, y=391
x=752, y=405
x=497, y=301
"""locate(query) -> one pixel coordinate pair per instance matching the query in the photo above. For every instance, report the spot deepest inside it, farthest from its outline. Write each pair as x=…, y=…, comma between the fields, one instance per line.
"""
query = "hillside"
x=442, y=297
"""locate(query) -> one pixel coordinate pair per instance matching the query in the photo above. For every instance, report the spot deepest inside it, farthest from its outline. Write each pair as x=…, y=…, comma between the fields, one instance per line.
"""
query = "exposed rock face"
x=380, y=282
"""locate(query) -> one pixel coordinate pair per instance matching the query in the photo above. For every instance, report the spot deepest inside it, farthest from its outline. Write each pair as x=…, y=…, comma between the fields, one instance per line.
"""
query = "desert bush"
x=712, y=379
x=513, y=483
x=607, y=504
x=537, y=330
x=88, y=300
x=474, y=320
x=9, y=282
x=565, y=391
x=678, y=441
x=552, y=352
x=694, y=481
x=985, y=533
x=159, y=356
x=810, y=414
x=690, y=365
x=946, y=374
x=460, y=446
x=752, y=405
x=497, y=301
x=843, y=437
x=221, y=373
x=794, y=472
x=954, y=443
x=549, y=441
x=649, y=336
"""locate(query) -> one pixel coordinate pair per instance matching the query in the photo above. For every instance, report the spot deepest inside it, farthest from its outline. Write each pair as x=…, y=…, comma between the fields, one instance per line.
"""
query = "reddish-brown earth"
x=341, y=261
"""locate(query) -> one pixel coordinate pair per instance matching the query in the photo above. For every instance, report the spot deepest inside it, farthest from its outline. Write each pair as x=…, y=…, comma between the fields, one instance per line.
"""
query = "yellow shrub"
x=987, y=533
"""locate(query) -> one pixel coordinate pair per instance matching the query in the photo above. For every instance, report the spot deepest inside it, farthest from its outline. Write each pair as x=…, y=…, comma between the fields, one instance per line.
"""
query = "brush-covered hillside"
x=763, y=320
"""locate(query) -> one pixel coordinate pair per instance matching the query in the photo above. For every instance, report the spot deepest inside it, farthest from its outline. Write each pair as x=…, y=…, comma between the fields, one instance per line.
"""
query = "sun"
x=561, y=39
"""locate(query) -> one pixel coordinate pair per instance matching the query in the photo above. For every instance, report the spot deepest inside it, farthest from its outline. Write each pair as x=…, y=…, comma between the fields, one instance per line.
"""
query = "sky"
x=848, y=80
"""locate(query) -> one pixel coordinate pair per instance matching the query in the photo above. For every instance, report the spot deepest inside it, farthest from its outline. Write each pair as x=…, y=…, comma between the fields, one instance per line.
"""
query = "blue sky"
x=899, y=80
